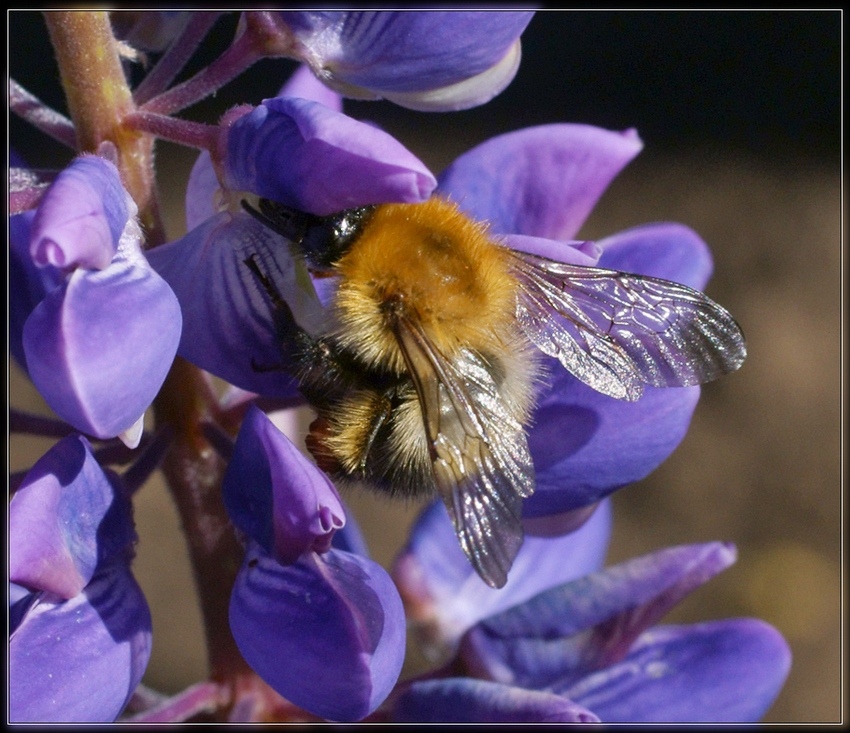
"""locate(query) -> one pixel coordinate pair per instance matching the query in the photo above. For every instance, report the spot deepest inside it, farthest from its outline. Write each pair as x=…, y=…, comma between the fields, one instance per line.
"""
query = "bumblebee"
x=423, y=377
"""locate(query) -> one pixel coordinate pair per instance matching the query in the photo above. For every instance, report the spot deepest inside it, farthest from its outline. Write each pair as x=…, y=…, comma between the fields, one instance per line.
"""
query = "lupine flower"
x=96, y=326
x=422, y=60
x=590, y=650
x=99, y=327
x=323, y=626
x=80, y=631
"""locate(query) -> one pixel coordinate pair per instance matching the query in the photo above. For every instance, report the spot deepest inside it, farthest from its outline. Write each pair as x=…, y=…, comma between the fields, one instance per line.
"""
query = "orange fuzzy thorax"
x=431, y=264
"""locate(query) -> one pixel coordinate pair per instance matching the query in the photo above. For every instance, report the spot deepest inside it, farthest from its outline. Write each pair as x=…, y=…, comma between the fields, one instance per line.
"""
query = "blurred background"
x=741, y=119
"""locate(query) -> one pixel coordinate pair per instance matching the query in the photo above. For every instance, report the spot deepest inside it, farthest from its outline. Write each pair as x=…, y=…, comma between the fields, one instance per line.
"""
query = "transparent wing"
x=480, y=459
x=617, y=332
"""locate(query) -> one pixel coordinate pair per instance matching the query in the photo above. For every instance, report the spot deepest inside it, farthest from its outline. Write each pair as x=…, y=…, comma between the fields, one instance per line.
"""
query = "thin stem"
x=183, y=132
x=30, y=108
x=238, y=57
x=176, y=57
x=193, y=472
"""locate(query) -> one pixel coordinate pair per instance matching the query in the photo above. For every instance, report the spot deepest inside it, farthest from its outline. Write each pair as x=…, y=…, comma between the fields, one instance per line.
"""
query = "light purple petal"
x=276, y=495
x=585, y=253
x=81, y=216
x=471, y=92
x=305, y=155
x=228, y=318
x=305, y=85
x=720, y=672
x=667, y=250
x=327, y=633
x=99, y=347
x=404, y=51
x=65, y=520
x=540, y=181
x=464, y=700
x=28, y=284
x=445, y=595
x=78, y=661
x=588, y=624
x=576, y=433
x=202, y=192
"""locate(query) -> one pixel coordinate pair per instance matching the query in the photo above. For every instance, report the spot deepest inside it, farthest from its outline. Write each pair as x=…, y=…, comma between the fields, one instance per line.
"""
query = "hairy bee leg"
x=381, y=415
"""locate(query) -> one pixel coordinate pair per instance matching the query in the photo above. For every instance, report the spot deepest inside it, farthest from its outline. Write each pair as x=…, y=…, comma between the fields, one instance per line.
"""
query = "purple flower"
x=100, y=341
x=311, y=157
x=80, y=635
x=590, y=650
x=324, y=627
x=423, y=60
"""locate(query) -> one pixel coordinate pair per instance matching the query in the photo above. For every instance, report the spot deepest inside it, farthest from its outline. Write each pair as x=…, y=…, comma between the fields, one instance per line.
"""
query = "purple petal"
x=81, y=216
x=570, y=631
x=404, y=51
x=443, y=592
x=305, y=85
x=576, y=431
x=65, y=520
x=305, y=155
x=540, y=181
x=585, y=253
x=28, y=284
x=276, y=495
x=667, y=250
x=327, y=633
x=464, y=700
x=202, y=192
x=720, y=672
x=228, y=318
x=99, y=347
x=78, y=661
x=471, y=92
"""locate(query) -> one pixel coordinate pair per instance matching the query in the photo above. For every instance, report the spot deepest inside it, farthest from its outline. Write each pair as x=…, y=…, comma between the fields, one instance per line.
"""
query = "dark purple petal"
x=99, y=347
x=719, y=672
x=327, y=633
x=65, y=520
x=28, y=284
x=443, y=592
x=667, y=250
x=228, y=318
x=81, y=216
x=576, y=433
x=588, y=624
x=78, y=661
x=278, y=497
x=305, y=155
x=464, y=700
x=404, y=51
x=539, y=181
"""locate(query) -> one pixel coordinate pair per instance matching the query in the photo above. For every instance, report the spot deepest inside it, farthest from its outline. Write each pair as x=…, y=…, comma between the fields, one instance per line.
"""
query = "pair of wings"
x=614, y=331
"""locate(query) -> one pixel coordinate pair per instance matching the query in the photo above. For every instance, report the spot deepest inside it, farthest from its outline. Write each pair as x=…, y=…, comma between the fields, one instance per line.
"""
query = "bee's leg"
x=381, y=410
x=291, y=336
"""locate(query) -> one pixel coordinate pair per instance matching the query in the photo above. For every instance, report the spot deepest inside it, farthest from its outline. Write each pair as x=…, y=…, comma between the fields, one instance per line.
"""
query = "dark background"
x=741, y=119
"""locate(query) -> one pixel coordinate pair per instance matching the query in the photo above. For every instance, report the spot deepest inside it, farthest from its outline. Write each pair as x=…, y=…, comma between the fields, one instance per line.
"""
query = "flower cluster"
x=109, y=319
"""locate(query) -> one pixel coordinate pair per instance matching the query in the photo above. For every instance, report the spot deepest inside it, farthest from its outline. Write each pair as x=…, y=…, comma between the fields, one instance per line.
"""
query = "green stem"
x=99, y=98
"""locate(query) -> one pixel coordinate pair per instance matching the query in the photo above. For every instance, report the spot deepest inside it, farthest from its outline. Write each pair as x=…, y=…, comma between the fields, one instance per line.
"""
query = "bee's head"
x=322, y=239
